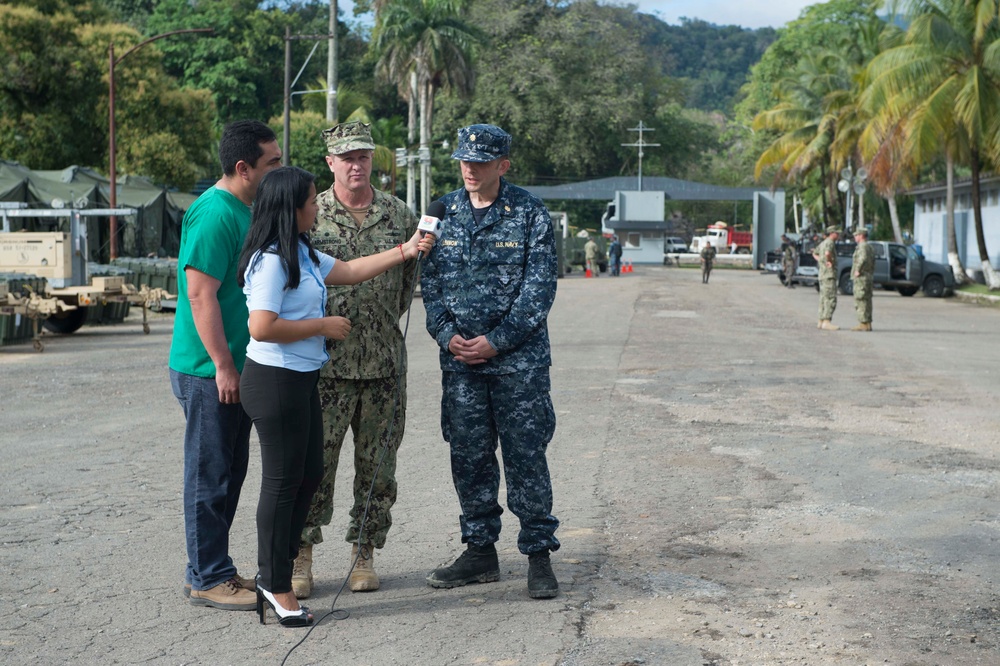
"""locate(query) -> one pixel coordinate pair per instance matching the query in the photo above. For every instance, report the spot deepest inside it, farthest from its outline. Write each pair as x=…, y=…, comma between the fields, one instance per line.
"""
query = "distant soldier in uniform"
x=487, y=286
x=615, y=256
x=590, y=253
x=358, y=387
x=788, y=258
x=826, y=260
x=707, y=257
x=863, y=274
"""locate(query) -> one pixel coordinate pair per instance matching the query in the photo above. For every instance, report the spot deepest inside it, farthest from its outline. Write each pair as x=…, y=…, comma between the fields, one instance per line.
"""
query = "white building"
x=641, y=229
x=930, y=229
x=637, y=219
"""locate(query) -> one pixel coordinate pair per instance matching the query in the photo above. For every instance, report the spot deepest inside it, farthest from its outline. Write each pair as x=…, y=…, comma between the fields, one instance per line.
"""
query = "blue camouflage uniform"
x=497, y=279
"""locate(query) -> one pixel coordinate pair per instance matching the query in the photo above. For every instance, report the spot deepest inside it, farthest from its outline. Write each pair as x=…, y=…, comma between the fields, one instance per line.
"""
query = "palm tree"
x=423, y=47
x=806, y=121
x=945, y=79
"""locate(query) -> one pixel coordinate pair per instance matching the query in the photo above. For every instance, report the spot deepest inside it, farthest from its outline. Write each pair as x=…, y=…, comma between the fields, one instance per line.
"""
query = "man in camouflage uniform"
x=707, y=255
x=863, y=274
x=788, y=252
x=826, y=260
x=488, y=285
x=364, y=384
x=590, y=255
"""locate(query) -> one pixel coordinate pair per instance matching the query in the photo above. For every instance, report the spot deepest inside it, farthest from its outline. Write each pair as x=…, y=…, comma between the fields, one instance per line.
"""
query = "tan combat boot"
x=302, y=573
x=862, y=327
x=363, y=577
x=827, y=325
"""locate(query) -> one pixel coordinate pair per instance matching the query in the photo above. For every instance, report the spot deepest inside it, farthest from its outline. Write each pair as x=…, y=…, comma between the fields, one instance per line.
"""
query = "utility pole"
x=286, y=151
x=113, y=129
x=640, y=145
x=331, y=67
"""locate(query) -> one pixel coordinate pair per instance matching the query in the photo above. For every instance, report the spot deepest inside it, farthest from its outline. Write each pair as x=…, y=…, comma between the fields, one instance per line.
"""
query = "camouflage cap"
x=833, y=229
x=481, y=143
x=345, y=137
x=861, y=231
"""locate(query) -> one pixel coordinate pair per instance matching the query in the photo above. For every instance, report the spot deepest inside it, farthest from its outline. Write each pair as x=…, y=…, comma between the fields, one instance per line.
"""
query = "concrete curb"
x=978, y=299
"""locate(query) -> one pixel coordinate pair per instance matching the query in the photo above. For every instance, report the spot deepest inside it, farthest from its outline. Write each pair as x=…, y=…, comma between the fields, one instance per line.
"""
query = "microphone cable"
x=342, y=613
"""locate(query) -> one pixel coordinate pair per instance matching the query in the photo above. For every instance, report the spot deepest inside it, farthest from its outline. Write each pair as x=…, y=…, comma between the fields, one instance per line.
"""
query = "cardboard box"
x=108, y=283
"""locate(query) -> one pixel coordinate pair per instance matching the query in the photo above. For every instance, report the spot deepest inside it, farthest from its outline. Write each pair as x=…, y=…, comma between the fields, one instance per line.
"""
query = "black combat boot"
x=542, y=583
x=475, y=565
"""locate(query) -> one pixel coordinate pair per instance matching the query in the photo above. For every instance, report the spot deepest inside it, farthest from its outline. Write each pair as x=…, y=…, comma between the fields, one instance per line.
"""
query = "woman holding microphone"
x=285, y=280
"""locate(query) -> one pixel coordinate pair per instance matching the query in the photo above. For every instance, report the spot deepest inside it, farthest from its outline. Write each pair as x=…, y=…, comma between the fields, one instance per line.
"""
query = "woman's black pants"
x=284, y=406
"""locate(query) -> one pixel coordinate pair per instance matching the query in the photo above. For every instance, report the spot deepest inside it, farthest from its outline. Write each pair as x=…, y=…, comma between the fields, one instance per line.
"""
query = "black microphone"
x=430, y=223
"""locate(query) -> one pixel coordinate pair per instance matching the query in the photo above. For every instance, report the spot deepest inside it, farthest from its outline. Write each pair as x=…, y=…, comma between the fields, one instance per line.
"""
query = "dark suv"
x=897, y=267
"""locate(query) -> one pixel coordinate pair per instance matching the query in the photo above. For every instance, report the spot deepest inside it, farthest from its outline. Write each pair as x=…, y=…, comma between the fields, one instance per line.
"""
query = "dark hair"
x=241, y=141
x=273, y=225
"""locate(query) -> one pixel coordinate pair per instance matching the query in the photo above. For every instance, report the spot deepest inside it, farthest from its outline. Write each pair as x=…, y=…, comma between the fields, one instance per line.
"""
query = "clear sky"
x=746, y=13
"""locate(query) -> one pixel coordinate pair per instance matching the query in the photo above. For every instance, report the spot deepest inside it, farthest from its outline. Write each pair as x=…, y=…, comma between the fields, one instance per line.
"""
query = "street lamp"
x=404, y=158
x=112, y=167
x=852, y=183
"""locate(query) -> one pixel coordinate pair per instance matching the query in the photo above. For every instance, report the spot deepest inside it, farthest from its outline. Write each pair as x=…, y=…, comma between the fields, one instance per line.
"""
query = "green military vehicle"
x=575, y=255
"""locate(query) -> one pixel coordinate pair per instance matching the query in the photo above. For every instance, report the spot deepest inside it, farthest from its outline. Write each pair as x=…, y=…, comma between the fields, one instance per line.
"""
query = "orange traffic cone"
x=587, y=273
x=628, y=267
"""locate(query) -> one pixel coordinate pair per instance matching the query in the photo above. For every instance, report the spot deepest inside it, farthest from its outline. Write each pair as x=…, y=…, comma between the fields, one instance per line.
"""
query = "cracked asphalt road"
x=735, y=487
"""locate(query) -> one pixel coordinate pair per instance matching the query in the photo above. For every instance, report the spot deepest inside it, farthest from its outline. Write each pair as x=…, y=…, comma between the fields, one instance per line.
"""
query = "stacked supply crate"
x=17, y=328
x=111, y=312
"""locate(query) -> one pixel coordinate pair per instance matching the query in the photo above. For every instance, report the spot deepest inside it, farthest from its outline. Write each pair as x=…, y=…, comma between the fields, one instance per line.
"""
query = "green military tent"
x=153, y=230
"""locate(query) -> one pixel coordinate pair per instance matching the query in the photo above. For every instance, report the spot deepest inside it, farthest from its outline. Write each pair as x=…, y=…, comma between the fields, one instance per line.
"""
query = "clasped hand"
x=471, y=352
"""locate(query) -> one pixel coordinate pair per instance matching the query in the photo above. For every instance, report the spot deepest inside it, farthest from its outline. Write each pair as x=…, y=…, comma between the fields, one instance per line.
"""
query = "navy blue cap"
x=481, y=143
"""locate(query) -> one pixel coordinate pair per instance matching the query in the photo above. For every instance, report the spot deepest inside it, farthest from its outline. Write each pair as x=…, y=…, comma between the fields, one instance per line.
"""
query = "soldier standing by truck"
x=863, y=274
x=826, y=259
x=590, y=252
x=707, y=257
x=788, y=253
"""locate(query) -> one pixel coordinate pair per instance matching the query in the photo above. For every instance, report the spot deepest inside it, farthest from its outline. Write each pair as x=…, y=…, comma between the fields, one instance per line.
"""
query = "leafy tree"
x=814, y=122
x=945, y=79
x=711, y=61
x=54, y=93
x=308, y=148
x=161, y=129
x=565, y=81
x=134, y=13
x=821, y=27
x=242, y=62
x=47, y=91
x=425, y=46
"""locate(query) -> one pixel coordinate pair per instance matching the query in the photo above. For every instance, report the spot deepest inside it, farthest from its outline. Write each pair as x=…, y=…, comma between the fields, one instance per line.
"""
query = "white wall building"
x=638, y=222
x=930, y=229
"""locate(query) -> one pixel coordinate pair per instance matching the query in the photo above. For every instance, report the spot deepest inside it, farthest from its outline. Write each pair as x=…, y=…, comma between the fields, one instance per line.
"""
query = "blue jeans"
x=216, y=453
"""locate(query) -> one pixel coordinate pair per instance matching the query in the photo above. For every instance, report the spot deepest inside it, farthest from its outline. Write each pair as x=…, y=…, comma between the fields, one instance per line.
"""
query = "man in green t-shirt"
x=206, y=358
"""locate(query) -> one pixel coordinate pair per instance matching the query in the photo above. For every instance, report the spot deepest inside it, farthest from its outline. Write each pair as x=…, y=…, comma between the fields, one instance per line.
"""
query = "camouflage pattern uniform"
x=497, y=279
x=590, y=254
x=863, y=274
x=707, y=257
x=827, y=251
x=788, y=262
x=359, y=385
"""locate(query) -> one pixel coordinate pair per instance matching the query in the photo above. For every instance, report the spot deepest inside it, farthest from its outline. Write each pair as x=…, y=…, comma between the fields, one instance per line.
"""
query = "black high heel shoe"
x=286, y=618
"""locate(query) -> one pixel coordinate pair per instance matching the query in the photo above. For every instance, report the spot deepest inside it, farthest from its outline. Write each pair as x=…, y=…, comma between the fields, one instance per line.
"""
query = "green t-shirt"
x=211, y=240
